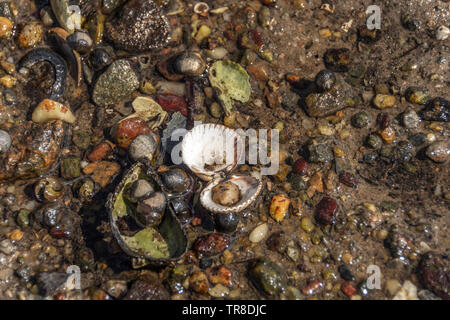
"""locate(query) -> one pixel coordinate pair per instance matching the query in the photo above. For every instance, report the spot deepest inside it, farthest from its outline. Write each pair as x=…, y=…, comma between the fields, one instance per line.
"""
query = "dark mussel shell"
x=155, y=245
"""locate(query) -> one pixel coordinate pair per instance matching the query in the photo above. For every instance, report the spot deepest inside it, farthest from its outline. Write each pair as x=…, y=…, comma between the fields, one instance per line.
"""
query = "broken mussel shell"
x=157, y=244
x=211, y=152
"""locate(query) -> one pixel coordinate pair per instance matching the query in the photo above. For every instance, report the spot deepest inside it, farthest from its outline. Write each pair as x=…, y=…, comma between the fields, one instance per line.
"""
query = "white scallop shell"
x=249, y=188
x=209, y=149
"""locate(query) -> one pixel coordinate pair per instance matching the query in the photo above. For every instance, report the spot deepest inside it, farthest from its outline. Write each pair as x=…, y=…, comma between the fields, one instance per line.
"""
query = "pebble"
x=382, y=101
x=387, y=134
x=31, y=35
x=219, y=291
x=410, y=119
x=5, y=27
x=417, y=95
x=15, y=235
x=320, y=151
x=438, y=109
x=259, y=233
x=115, y=84
x=267, y=277
x=439, y=151
x=361, y=119
x=442, y=33
x=307, y=225
x=374, y=141
x=392, y=286
x=198, y=282
x=279, y=207
x=5, y=141
x=6, y=247
x=407, y=292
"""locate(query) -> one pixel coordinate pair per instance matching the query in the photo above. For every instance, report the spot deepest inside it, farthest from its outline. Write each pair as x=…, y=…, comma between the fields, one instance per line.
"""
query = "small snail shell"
x=5, y=141
x=139, y=189
x=150, y=211
x=226, y=194
x=189, y=64
x=143, y=146
x=176, y=180
x=48, y=189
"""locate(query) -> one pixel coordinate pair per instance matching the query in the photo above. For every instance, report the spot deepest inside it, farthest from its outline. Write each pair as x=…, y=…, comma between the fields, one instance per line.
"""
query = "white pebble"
x=442, y=33
x=259, y=233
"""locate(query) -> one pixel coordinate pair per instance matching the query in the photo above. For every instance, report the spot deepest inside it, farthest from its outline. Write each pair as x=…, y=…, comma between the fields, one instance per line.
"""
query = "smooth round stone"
x=439, y=151
x=259, y=233
x=410, y=119
x=5, y=141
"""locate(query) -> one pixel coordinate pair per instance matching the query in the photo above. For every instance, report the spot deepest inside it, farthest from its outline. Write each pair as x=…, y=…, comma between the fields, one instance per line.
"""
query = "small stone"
x=348, y=179
x=374, y=141
x=433, y=271
x=361, y=119
x=5, y=27
x=268, y=277
x=279, y=207
x=346, y=273
x=115, y=84
x=393, y=286
x=326, y=211
x=139, y=26
x=102, y=172
x=387, y=134
x=438, y=109
x=15, y=235
x=220, y=275
x=417, y=95
x=259, y=233
x=442, y=33
x=337, y=60
x=6, y=247
x=348, y=289
x=219, y=291
x=407, y=292
x=300, y=166
x=307, y=224
x=382, y=101
x=439, y=151
x=70, y=168
x=198, y=282
x=320, y=151
x=410, y=119
x=116, y=288
x=31, y=35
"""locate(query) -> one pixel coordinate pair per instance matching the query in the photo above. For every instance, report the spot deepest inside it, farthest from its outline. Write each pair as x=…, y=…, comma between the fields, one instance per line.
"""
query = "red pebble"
x=312, y=288
x=348, y=179
x=299, y=166
x=172, y=102
x=59, y=233
x=211, y=244
x=326, y=211
x=129, y=129
x=100, y=151
x=348, y=289
x=255, y=35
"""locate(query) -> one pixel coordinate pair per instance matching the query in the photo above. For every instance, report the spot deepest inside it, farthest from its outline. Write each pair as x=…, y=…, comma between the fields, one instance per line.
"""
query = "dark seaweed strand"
x=59, y=66
x=190, y=97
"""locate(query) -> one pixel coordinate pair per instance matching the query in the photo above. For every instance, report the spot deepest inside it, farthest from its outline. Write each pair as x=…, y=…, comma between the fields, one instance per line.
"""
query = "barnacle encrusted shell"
x=249, y=188
x=139, y=26
x=209, y=149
